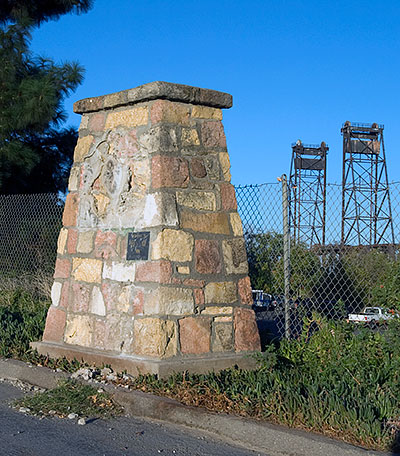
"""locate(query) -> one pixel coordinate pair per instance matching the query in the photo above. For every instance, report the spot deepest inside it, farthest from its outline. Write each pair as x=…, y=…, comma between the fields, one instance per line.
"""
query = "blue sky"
x=296, y=69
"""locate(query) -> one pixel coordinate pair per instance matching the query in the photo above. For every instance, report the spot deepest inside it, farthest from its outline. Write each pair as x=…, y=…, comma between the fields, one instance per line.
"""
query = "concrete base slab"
x=136, y=365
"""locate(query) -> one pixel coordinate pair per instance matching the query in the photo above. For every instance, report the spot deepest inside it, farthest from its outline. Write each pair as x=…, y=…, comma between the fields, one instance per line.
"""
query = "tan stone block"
x=215, y=310
x=74, y=178
x=87, y=270
x=183, y=270
x=217, y=222
x=235, y=256
x=220, y=292
x=82, y=148
x=62, y=241
x=169, y=301
x=120, y=333
x=155, y=337
x=84, y=122
x=190, y=137
x=128, y=118
x=223, y=337
x=195, y=335
x=202, y=201
x=169, y=111
x=123, y=301
x=236, y=224
x=174, y=245
x=225, y=165
x=101, y=202
x=79, y=331
x=85, y=242
x=205, y=112
x=223, y=319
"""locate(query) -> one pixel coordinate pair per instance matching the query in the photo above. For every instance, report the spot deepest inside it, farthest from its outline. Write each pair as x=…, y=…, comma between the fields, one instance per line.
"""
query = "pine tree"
x=35, y=151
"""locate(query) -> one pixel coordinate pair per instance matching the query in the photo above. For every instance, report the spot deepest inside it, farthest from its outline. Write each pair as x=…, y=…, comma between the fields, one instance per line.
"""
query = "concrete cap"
x=153, y=91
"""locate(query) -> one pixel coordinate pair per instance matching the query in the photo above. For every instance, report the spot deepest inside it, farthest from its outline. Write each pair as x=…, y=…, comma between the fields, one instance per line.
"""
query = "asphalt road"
x=24, y=435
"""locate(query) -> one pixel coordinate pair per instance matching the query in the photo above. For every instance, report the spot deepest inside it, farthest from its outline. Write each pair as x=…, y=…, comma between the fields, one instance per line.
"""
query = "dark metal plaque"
x=138, y=246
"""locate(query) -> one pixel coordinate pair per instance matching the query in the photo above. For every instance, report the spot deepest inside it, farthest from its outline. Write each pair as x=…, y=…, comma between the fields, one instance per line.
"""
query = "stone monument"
x=151, y=273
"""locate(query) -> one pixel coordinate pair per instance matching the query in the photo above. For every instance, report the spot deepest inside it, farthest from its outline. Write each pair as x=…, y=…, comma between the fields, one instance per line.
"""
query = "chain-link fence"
x=334, y=279
x=29, y=228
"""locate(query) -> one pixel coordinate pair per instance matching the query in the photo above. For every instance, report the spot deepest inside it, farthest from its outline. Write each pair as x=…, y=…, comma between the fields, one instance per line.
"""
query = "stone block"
x=247, y=337
x=225, y=165
x=154, y=271
x=100, y=334
x=173, y=245
x=64, y=298
x=195, y=335
x=169, y=112
x=235, y=256
x=62, y=241
x=85, y=242
x=62, y=269
x=198, y=168
x=82, y=148
x=236, y=224
x=155, y=337
x=128, y=118
x=55, y=324
x=215, y=222
x=213, y=167
x=79, y=331
x=244, y=290
x=169, y=172
x=224, y=319
x=212, y=134
x=70, y=209
x=207, y=256
x=223, y=337
x=217, y=310
x=160, y=209
x=160, y=139
x=199, y=299
x=220, y=293
x=205, y=112
x=120, y=272
x=138, y=301
x=228, y=197
x=105, y=244
x=120, y=333
x=56, y=293
x=169, y=301
x=183, y=270
x=96, y=122
x=202, y=201
x=74, y=179
x=190, y=137
x=80, y=298
x=72, y=240
x=87, y=270
x=97, y=305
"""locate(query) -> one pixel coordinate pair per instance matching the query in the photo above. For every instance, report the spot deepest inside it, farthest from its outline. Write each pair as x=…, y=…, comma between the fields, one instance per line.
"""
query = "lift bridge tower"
x=366, y=208
x=307, y=190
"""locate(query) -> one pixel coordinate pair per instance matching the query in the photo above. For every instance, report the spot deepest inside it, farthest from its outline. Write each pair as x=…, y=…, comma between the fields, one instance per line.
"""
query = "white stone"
x=119, y=272
x=97, y=302
x=160, y=209
x=56, y=293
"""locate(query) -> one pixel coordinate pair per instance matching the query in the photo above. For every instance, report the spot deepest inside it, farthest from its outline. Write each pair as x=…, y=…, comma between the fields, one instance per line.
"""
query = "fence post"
x=286, y=252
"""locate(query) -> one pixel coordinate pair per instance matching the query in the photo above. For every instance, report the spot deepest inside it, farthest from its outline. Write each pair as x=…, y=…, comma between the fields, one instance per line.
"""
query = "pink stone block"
x=199, y=296
x=247, y=337
x=55, y=324
x=80, y=297
x=154, y=271
x=105, y=244
x=64, y=296
x=194, y=283
x=195, y=335
x=228, y=197
x=244, y=290
x=63, y=268
x=138, y=302
x=97, y=121
x=197, y=168
x=72, y=240
x=70, y=209
x=169, y=172
x=99, y=334
x=212, y=134
x=207, y=257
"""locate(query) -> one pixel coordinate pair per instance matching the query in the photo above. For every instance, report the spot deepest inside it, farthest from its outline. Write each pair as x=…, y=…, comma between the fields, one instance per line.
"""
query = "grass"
x=72, y=397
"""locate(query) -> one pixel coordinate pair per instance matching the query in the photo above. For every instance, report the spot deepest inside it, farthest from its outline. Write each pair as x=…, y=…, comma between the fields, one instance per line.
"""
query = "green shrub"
x=22, y=320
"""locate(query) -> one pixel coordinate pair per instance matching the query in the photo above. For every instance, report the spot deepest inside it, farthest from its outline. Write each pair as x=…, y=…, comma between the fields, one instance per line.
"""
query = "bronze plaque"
x=138, y=246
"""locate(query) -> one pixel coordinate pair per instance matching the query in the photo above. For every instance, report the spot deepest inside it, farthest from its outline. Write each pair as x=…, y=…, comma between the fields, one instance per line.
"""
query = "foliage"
x=72, y=397
x=35, y=153
x=22, y=320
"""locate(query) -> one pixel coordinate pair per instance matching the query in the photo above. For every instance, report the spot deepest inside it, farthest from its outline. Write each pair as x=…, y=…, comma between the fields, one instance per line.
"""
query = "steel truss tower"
x=366, y=209
x=307, y=186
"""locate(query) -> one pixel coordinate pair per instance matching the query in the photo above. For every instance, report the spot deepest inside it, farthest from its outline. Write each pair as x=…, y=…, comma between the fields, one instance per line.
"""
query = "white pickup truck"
x=371, y=316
